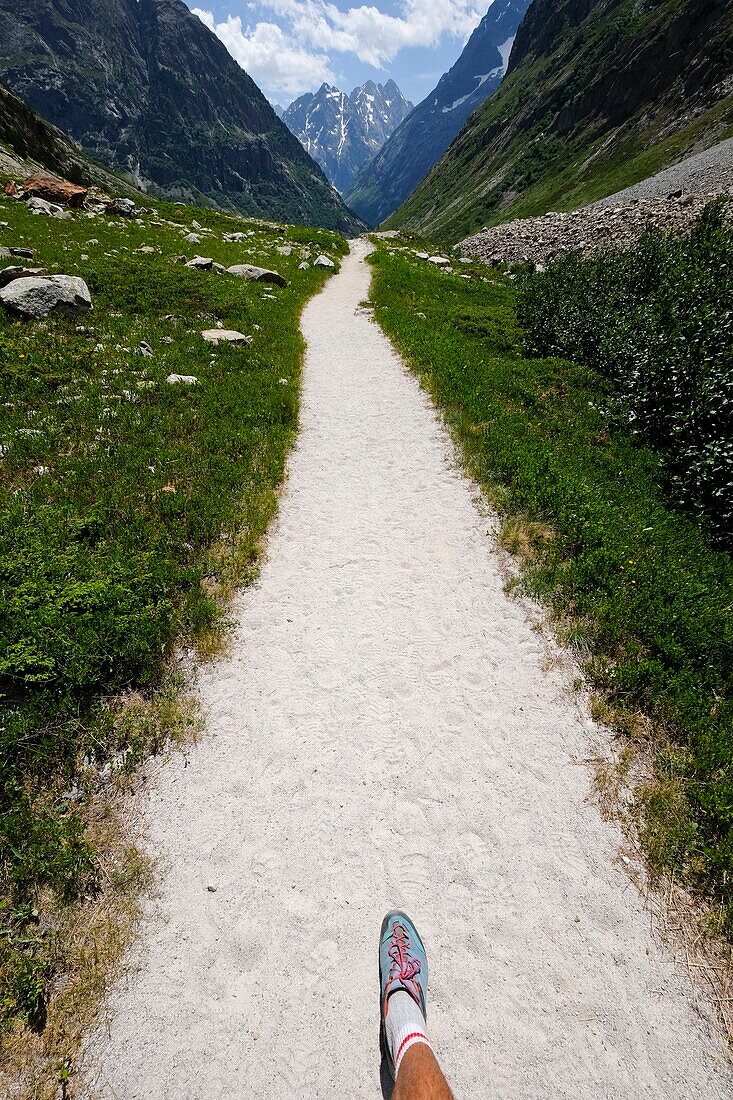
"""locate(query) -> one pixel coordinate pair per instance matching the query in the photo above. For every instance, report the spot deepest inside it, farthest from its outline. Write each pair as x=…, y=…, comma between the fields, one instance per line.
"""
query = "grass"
x=632, y=586
x=130, y=509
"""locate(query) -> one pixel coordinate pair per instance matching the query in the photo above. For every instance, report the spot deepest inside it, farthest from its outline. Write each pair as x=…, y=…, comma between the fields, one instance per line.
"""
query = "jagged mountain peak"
x=342, y=131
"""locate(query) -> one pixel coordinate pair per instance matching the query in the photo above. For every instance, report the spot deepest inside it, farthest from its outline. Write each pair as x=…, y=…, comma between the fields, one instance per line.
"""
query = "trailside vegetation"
x=131, y=504
x=657, y=320
x=634, y=587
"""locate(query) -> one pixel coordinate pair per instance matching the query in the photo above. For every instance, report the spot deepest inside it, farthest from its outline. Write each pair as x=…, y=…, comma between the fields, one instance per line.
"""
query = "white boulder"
x=38, y=297
x=257, y=274
x=225, y=335
x=183, y=379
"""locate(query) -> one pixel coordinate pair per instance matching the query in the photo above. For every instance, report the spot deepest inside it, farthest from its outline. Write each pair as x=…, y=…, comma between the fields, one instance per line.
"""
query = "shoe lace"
x=404, y=968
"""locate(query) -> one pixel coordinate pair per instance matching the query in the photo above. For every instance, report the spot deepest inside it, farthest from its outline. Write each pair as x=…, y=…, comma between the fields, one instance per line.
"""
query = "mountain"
x=599, y=95
x=29, y=144
x=414, y=147
x=146, y=88
x=343, y=132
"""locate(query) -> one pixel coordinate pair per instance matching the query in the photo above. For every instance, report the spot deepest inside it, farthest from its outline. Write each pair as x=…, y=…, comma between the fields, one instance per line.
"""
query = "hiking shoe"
x=403, y=967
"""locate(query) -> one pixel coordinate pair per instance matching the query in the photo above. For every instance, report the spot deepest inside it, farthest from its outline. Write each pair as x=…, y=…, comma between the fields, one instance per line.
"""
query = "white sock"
x=404, y=1026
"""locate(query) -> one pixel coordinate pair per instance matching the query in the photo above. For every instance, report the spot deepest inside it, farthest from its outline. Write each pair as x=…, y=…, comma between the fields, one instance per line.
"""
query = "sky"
x=292, y=46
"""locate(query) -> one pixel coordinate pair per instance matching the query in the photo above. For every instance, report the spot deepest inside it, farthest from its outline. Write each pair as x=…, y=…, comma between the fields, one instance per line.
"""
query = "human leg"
x=420, y=1077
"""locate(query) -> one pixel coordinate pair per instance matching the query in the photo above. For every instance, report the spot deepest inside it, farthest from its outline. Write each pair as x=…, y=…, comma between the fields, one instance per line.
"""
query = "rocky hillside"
x=599, y=95
x=146, y=88
x=29, y=144
x=342, y=132
x=588, y=230
x=415, y=146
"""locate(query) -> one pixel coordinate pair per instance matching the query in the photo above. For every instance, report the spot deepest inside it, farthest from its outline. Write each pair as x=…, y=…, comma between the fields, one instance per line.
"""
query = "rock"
x=257, y=274
x=304, y=266
x=50, y=209
x=323, y=261
x=4, y=253
x=184, y=379
x=9, y=274
x=590, y=230
x=41, y=206
x=439, y=261
x=24, y=253
x=202, y=263
x=284, y=249
x=422, y=255
x=225, y=335
x=145, y=249
x=220, y=268
x=195, y=225
x=192, y=238
x=39, y=297
x=55, y=190
x=11, y=188
x=124, y=208
x=144, y=349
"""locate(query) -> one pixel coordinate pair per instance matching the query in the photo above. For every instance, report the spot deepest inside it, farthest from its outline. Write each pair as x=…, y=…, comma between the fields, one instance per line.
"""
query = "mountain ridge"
x=29, y=144
x=599, y=95
x=147, y=88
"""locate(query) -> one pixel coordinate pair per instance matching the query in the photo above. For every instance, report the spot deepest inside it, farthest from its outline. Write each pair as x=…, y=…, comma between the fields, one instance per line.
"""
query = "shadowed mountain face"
x=144, y=86
x=599, y=95
x=29, y=144
x=426, y=133
x=343, y=132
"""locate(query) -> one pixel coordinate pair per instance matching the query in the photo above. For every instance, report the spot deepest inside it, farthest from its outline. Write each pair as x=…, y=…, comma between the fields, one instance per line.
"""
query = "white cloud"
x=271, y=57
x=374, y=36
x=296, y=57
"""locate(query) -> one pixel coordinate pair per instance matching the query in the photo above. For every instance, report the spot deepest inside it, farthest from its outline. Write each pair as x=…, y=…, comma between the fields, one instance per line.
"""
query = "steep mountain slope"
x=415, y=146
x=29, y=144
x=343, y=132
x=599, y=95
x=144, y=86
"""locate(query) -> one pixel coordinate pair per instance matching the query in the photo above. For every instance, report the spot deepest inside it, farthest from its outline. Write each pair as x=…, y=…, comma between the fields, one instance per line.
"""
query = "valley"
x=365, y=542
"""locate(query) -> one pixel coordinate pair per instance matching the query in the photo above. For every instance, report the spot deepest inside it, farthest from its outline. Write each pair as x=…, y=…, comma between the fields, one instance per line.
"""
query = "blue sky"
x=291, y=46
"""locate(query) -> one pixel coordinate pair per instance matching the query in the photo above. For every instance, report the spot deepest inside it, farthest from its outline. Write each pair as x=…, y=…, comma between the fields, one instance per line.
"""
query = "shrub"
x=657, y=319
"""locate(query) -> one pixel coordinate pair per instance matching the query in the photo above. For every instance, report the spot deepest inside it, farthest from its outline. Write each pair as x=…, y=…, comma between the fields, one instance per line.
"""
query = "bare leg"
x=420, y=1077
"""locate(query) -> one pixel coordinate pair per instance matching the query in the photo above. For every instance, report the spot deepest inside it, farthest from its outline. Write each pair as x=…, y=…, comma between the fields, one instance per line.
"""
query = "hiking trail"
x=387, y=730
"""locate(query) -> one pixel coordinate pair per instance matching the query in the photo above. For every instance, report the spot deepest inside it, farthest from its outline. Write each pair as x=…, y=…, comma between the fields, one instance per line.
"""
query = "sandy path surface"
x=385, y=731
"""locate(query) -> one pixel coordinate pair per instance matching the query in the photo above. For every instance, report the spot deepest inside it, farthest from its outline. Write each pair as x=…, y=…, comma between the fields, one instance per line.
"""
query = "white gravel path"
x=385, y=731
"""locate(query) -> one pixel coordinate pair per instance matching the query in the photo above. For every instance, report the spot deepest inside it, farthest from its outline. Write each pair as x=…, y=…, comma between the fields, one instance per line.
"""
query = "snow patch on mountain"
x=342, y=132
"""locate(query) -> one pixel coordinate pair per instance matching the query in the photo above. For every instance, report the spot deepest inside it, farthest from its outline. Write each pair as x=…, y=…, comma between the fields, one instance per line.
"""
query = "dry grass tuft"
x=525, y=539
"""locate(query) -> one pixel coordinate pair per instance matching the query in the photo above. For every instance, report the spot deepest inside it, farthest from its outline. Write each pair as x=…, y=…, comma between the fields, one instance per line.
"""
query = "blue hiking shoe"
x=403, y=967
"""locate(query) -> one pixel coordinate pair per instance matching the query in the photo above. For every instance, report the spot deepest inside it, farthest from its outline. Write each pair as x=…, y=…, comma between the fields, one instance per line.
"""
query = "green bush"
x=657, y=319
